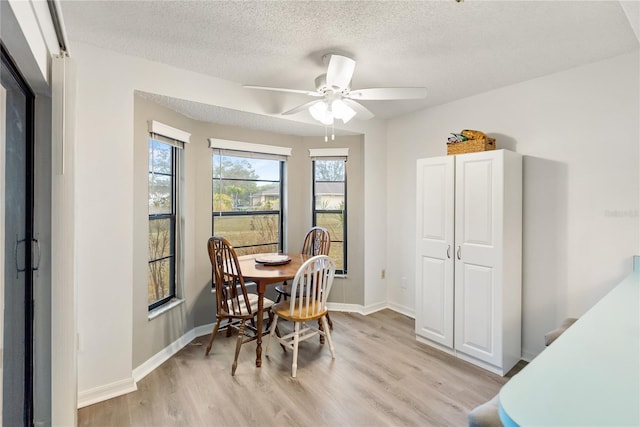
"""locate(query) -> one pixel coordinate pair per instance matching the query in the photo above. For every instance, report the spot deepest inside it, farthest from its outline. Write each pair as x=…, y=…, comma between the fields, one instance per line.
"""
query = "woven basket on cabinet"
x=471, y=146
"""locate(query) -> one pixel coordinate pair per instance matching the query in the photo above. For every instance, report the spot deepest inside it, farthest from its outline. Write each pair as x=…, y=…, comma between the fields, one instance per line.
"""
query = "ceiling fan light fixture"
x=342, y=111
x=322, y=113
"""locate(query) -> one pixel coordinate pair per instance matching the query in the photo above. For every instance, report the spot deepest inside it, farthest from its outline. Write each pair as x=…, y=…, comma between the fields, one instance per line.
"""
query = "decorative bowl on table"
x=273, y=259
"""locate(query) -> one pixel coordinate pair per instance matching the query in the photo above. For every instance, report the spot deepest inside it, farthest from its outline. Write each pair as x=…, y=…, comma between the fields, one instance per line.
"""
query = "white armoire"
x=469, y=256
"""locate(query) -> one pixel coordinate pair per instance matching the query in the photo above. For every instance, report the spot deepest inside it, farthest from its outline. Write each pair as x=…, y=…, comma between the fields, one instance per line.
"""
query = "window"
x=247, y=200
x=330, y=205
x=164, y=156
x=162, y=222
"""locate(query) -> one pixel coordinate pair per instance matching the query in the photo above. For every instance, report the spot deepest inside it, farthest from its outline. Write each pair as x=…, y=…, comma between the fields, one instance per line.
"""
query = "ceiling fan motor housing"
x=323, y=88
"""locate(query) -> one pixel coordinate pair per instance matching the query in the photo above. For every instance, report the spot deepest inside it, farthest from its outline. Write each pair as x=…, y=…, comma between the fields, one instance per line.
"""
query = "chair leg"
x=229, y=328
x=321, y=328
x=329, y=321
x=238, y=345
x=272, y=331
x=284, y=349
x=328, y=334
x=271, y=319
x=296, y=340
x=213, y=336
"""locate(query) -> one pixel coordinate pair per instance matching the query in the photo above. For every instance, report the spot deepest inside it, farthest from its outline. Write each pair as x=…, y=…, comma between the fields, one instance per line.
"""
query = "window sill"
x=340, y=276
x=164, y=308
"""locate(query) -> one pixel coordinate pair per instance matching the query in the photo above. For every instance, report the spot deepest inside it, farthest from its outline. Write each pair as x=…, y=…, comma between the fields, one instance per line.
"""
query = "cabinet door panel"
x=434, y=203
x=434, y=249
x=436, y=318
x=474, y=317
x=477, y=207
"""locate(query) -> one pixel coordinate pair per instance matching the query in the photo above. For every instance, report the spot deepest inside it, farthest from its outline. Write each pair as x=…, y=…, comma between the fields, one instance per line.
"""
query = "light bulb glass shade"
x=321, y=112
x=342, y=111
x=318, y=110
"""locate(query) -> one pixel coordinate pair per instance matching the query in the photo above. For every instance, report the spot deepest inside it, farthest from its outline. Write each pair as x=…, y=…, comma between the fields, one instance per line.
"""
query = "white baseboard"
x=357, y=308
x=107, y=391
x=162, y=356
x=528, y=356
x=347, y=308
x=203, y=329
x=165, y=354
x=409, y=312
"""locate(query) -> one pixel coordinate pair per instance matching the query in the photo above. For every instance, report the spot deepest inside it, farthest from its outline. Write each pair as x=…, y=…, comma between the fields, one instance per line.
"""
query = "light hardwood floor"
x=381, y=377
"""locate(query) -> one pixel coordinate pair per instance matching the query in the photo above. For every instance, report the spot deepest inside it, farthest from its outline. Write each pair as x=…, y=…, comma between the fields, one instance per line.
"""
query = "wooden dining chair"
x=316, y=242
x=233, y=303
x=308, y=303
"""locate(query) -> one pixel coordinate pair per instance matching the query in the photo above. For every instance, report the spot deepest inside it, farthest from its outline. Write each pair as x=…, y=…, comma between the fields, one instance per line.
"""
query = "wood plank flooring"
x=381, y=377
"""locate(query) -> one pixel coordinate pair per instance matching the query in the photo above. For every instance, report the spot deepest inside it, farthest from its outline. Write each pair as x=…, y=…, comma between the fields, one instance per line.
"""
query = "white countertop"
x=590, y=376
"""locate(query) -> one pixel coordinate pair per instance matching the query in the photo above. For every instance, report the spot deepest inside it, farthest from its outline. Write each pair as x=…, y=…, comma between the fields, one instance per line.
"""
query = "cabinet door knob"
x=458, y=252
x=448, y=251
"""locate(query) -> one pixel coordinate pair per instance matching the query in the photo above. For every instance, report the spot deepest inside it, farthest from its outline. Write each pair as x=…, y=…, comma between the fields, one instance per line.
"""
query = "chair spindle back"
x=311, y=286
x=231, y=292
x=316, y=242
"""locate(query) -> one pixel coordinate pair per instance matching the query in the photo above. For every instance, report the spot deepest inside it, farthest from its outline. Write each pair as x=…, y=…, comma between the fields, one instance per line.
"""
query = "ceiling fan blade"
x=388, y=93
x=340, y=71
x=362, y=112
x=279, y=89
x=302, y=107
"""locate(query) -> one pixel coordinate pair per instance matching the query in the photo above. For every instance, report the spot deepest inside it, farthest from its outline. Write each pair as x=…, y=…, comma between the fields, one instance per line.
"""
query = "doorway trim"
x=3, y=118
x=7, y=59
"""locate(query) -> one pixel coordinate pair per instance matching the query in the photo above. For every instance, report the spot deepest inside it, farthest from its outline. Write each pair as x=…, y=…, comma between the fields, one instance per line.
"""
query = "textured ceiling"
x=454, y=49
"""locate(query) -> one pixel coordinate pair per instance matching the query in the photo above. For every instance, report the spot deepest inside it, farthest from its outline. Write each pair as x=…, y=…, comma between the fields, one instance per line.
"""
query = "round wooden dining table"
x=265, y=275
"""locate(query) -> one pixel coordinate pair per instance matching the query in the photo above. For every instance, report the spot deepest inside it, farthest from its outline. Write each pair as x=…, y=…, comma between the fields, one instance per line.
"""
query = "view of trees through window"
x=162, y=220
x=329, y=206
x=246, y=202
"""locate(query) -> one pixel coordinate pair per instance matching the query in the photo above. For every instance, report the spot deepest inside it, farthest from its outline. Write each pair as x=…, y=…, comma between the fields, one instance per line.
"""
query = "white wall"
x=105, y=193
x=579, y=133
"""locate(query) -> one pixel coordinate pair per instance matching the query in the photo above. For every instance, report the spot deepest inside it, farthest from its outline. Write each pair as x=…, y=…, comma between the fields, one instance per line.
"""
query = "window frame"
x=239, y=213
x=315, y=211
x=173, y=221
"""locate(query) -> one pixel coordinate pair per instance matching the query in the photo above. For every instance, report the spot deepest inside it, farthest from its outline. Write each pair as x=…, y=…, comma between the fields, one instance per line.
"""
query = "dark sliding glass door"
x=17, y=244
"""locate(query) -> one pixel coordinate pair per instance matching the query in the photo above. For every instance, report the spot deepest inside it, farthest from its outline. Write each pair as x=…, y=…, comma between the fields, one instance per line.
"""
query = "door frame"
x=9, y=62
x=3, y=101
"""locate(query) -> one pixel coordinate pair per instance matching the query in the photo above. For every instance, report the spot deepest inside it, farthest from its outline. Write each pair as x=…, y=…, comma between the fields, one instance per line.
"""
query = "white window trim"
x=164, y=308
x=169, y=131
x=328, y=152
x=227, y=144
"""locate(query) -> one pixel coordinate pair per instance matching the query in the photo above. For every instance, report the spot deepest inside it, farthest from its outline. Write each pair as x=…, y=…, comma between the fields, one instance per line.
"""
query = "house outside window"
x=330, y=200
x=247, y=196
x=164, y=161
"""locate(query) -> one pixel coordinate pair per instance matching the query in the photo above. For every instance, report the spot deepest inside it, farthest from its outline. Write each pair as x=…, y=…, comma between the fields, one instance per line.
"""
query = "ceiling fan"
x=336, y=98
